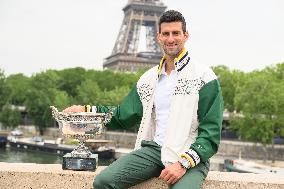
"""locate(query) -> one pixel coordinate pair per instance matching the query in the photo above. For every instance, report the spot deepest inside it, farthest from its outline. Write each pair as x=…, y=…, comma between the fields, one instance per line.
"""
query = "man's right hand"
x=75, y=108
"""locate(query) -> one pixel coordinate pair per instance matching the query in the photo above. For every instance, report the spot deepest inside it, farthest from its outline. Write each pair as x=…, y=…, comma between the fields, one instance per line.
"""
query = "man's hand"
x=75, y=108
x=172, y=173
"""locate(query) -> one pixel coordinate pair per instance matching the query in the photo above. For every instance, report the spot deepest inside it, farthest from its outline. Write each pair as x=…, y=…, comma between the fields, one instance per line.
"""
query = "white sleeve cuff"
x=94, y=109
x=192, y=155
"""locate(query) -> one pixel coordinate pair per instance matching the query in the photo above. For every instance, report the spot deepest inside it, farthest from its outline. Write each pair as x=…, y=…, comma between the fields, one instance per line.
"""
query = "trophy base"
x=79, y=163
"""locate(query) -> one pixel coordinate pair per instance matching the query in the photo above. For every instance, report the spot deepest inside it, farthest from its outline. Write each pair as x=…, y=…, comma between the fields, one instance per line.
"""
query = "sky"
x=36, y=35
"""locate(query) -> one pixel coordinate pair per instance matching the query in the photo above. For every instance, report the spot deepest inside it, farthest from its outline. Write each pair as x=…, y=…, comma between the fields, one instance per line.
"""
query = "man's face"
x=172, y=38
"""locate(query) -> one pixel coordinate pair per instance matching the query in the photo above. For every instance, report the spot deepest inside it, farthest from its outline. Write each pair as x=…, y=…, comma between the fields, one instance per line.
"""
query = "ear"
x=186, y=35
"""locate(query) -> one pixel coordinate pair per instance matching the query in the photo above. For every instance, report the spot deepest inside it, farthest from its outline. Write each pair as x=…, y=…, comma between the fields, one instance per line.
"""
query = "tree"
x=10, y=116
x=42, y=94
x=229, y=81
x=261, y=101
x=4, y=90
x=60, y=99
x=88, y=92
x=108, y=80
x=113, y=97
x=70, y=79
x=18, y=85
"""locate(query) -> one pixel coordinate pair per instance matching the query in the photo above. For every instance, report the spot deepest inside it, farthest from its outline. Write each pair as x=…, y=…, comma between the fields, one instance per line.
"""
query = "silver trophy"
x=81, y=126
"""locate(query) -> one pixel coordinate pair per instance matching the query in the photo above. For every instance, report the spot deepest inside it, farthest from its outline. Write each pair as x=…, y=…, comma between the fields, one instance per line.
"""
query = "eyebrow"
x=173, y=32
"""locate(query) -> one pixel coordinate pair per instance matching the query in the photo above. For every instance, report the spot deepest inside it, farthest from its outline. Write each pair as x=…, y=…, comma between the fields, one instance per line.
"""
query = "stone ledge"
x=50, y=176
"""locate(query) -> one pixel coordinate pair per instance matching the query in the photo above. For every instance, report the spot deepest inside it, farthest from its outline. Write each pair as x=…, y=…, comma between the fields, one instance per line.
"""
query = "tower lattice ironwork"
x=127, y=54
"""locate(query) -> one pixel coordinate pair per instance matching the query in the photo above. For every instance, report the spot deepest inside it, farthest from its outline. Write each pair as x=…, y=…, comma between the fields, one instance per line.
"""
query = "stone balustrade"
x=50, y=176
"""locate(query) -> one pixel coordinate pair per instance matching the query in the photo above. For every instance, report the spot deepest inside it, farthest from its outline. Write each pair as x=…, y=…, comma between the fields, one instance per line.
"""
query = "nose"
x=170, y=38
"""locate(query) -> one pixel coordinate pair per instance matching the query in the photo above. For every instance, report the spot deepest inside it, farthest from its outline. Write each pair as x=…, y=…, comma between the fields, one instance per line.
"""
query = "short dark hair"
x=172, y=16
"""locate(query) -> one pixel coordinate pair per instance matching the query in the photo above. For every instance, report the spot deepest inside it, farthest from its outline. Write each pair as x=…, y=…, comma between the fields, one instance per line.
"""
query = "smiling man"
x=180, y=109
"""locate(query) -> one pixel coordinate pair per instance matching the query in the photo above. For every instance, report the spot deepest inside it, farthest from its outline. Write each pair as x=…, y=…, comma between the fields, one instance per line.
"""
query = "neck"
x=169, y=65
x=170, y=62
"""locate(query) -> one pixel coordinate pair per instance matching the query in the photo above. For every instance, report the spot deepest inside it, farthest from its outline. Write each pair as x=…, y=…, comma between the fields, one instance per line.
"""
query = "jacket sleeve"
x=210, y=116
x=127, y=114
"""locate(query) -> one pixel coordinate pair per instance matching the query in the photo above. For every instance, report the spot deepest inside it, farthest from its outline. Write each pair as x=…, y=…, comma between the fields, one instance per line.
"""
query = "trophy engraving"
x=81, y=126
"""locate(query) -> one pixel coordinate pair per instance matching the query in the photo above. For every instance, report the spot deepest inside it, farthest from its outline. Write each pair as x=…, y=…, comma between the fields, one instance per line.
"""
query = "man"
x=180, y=109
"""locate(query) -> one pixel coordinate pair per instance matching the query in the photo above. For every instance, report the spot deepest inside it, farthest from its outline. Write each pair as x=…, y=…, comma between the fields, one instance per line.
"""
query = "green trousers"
x=143, y=164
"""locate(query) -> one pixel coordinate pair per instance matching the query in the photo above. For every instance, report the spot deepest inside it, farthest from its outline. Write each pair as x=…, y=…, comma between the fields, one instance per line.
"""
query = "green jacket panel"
x=127, y=114
x=210, y=116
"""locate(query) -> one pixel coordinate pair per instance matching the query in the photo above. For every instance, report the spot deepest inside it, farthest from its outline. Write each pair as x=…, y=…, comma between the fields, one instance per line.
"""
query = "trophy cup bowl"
x=81, y=126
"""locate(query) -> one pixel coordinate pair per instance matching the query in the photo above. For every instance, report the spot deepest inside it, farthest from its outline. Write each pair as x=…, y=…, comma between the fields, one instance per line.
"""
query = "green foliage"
x=18, y=85
x=254, y=128
x=257, y=100
x=37, y=104
x=108, y=80
x=61, y=99
x=88, y=92
x=10, y=116
x=113, y=97
x=4, y=90
x=261, y=101
x=70, y=79
x=71, y=141
x=42, y=94
x=229, y=81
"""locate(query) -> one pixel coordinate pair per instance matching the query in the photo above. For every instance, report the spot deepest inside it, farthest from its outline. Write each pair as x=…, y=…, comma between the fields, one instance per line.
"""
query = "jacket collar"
x=180, y=62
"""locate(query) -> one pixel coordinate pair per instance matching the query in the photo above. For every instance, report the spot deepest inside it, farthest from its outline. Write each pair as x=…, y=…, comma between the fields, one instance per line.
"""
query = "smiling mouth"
x=171, y=46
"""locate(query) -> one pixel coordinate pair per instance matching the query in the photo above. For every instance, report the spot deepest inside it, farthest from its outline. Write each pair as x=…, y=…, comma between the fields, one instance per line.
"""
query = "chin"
x=172, y=53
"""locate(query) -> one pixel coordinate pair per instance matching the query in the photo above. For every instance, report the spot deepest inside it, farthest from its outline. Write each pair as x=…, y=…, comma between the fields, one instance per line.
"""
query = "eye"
x=165, y=34
x=176, y=33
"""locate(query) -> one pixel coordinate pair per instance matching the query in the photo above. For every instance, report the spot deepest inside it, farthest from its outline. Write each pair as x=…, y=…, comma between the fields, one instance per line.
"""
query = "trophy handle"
x=55, y=113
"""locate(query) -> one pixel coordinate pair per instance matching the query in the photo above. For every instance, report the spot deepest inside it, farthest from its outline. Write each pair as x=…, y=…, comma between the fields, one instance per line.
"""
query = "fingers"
x=163, y=174
x=172, y=180
x=74, y=108
x=172, y=173
x=169, y=177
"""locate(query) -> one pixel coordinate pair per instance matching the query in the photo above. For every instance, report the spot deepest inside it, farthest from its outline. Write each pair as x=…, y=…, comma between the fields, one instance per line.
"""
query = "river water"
x=11, y=155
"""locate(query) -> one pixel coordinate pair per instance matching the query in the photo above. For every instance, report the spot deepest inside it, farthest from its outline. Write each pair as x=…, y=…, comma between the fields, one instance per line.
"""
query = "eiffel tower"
x=140, y=17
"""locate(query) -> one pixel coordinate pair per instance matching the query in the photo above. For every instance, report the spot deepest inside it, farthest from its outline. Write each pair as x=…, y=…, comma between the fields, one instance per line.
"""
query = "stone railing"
x=50, y=176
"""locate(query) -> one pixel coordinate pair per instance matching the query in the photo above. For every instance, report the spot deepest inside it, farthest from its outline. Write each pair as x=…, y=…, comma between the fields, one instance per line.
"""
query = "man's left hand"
x=172, y=173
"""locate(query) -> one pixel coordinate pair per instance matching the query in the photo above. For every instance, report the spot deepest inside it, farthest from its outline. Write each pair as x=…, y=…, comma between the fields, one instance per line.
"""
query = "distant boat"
x=3, y=138
x=60, y=149
x=242, y=166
